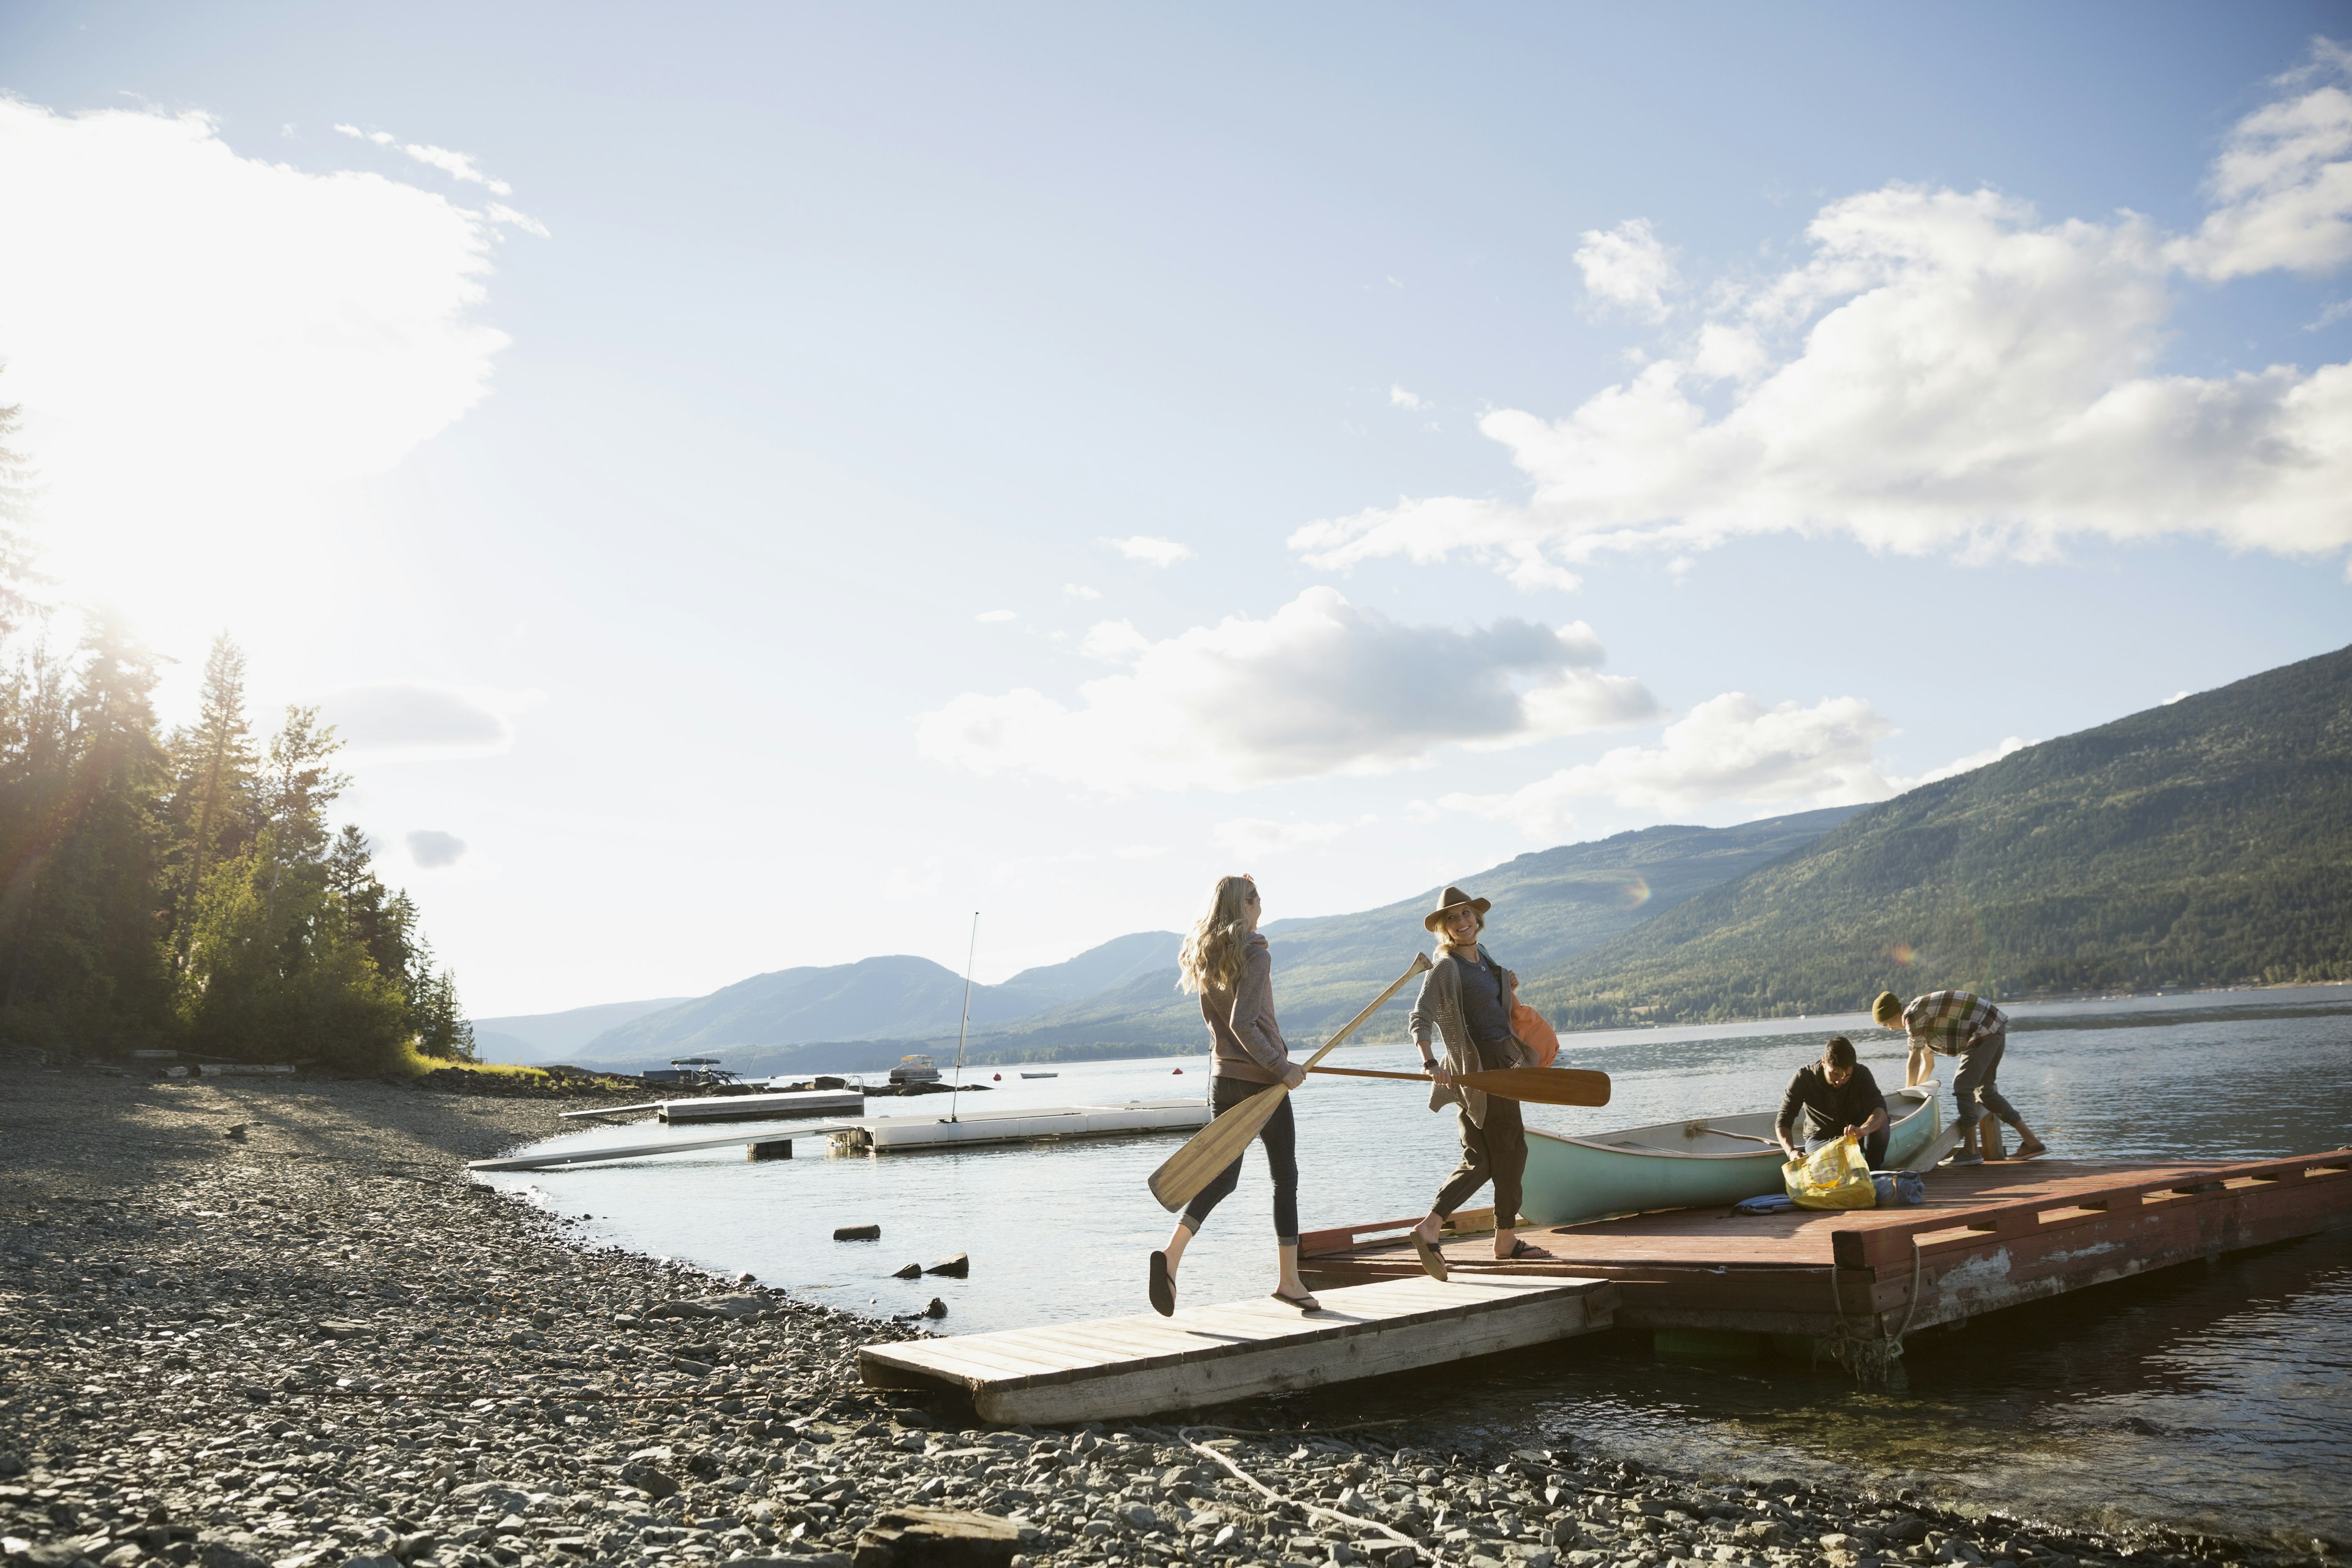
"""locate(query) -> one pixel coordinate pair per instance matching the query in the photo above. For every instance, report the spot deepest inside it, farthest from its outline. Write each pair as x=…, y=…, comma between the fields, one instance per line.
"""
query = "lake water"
x=2215, y=1396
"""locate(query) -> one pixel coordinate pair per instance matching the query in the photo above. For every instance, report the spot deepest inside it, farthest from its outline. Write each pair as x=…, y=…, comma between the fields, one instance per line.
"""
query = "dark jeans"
x=1280, y=1136
x=1979, y=1065
x=1499, y=1152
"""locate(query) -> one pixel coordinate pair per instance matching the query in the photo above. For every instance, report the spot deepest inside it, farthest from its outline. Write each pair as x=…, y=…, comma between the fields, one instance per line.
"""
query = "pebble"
x=326, y=1345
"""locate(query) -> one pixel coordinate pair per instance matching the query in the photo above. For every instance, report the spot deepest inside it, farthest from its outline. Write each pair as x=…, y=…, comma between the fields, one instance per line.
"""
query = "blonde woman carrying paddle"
x=1229, y=964
x=1467, y=1001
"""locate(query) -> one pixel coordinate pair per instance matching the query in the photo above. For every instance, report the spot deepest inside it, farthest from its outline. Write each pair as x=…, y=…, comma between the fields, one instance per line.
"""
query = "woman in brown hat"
x=1227, y=962
x=1467, y=1000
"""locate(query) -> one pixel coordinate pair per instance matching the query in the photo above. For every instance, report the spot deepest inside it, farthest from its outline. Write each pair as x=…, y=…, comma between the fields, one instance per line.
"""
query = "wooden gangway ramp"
x=1206, y=1355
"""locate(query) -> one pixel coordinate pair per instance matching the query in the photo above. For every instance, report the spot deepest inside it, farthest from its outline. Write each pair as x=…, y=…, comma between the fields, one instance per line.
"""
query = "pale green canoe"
x=1685, y=1164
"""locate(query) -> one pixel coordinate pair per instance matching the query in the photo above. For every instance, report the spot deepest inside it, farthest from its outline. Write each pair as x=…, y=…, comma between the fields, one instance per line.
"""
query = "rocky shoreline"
x=273, y=1324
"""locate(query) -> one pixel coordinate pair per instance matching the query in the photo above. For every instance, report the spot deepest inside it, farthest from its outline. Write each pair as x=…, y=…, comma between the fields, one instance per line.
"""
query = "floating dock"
x=1989, y=1236
x=901, y=1134
x=1207, y=1355
x=905, y=1133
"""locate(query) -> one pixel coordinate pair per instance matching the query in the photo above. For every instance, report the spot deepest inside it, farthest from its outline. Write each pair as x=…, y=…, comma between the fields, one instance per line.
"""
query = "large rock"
x=936, y=1538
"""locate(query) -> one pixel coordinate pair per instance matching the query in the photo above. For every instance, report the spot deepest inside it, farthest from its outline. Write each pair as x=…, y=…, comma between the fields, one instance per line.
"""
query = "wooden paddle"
x=1221, y=1141
x=1537, y=1085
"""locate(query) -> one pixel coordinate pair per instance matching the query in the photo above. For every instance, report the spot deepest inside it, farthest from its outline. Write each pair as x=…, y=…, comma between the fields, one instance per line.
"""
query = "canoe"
x=1685, y=1164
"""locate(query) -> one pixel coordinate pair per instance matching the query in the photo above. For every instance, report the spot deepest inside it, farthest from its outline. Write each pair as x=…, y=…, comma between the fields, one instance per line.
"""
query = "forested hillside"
x=186, y=890
x=2205, y=842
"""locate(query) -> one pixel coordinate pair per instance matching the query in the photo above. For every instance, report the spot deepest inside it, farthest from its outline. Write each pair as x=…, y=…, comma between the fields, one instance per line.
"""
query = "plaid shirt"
x=1949, y=1021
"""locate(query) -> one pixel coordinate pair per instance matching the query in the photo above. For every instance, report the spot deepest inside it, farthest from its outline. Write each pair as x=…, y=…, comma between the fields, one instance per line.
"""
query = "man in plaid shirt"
x=1964, y=1025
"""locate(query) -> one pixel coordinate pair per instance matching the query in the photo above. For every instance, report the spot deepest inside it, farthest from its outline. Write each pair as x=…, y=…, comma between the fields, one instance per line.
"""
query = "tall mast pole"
x=966, y=1022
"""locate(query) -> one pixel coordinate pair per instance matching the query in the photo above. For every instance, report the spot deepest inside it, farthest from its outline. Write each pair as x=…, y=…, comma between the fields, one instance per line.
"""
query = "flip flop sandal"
x=1304, y=1303
x=1433, y=1262
x=1526, y=1250
x=1163, y=1289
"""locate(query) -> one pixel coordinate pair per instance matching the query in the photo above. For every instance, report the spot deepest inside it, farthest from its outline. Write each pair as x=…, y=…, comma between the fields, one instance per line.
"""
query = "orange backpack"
x=1529, y=1027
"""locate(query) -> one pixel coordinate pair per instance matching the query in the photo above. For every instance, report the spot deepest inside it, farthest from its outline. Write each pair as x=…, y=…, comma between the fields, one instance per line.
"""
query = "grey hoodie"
x=1249, y=1043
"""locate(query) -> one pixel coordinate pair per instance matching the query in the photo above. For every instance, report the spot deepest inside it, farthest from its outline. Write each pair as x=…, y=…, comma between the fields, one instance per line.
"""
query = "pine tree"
x=215, y=803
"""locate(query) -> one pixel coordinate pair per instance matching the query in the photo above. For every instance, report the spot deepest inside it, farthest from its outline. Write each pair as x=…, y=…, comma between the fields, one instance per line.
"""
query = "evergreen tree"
x=85, y=968
x=278, y=964
x=214, y=805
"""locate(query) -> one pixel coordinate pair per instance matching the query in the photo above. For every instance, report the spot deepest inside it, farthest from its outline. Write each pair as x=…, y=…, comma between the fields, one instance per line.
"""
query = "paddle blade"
x=1212, y=1148
x=1542, y=1085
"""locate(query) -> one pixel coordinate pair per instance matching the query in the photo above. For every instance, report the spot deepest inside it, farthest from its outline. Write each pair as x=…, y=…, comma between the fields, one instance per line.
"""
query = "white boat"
x=764, y=1106
x=914, y=1070
x=1702, y=1162
x=1041, y=1075
x=887, y=1133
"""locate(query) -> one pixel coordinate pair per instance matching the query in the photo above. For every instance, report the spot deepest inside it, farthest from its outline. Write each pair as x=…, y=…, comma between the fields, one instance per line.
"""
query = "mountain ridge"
x=2204, y=841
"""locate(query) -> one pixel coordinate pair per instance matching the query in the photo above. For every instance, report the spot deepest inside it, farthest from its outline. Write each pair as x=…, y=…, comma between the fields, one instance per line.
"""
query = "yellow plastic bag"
x=1835, y=1176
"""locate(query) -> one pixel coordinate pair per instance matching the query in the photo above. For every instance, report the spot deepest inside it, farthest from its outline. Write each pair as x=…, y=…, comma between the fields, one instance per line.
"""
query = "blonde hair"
x=1445, y=942
x=1210, y=958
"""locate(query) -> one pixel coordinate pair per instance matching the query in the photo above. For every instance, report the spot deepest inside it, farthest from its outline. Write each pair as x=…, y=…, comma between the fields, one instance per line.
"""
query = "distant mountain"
x=1098, y=969
x=895, y=999
x=1548, y=905
x=2205, y=842
x=1121, y=999
x=535, y=1038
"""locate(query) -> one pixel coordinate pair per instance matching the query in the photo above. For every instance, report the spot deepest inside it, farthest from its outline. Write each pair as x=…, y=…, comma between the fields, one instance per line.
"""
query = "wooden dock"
x=1207, y=1355
x=1989, y=1236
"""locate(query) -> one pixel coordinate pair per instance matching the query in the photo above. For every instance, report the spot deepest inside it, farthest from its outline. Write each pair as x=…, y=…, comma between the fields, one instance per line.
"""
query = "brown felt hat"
x=1450, y=900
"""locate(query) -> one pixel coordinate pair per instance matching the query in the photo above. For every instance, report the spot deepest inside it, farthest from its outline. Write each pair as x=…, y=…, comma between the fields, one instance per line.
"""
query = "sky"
x=755, y=485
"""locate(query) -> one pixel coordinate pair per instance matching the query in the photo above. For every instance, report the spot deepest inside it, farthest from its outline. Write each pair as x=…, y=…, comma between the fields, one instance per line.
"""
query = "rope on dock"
x=1184, y=1435
x=1872, y=1360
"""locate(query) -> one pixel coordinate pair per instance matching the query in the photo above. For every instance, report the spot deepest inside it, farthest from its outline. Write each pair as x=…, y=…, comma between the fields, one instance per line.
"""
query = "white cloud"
x=1628, y=266
x=2173, y=699
x=1320, y=686
x=431, y=848
x=992, y=617
x=2283, y=184
x=1080, y=591
x=1960, y=765
x=415, y=719
x=457, y=165
x=1730, y=747
x=1399, y=398
x=1946, y=372
x=1258, y=837
x=1152, y=552
x=202, y=342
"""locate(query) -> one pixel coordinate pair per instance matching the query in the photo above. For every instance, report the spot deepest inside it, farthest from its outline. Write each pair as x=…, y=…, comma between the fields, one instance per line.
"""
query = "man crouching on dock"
x=1964, y=1025
x=1838, y=1098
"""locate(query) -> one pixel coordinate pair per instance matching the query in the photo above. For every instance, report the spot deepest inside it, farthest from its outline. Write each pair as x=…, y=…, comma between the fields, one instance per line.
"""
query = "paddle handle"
x=1420, y=964
x=1368, y=1072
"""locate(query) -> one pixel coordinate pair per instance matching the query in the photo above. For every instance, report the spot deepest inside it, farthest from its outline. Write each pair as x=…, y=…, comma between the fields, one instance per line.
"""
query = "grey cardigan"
x=1248, y=1042
x=1439, y=1006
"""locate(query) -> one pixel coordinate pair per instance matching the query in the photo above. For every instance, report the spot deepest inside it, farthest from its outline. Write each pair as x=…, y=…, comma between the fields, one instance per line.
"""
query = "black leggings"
x=1280, y=1136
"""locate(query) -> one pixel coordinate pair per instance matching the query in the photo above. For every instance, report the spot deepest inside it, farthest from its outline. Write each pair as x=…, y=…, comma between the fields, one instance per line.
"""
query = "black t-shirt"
x=1829, y=1111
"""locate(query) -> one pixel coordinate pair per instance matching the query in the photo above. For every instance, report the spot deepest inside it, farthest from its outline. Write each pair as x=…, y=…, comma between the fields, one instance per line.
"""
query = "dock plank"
x=1225, y=1351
